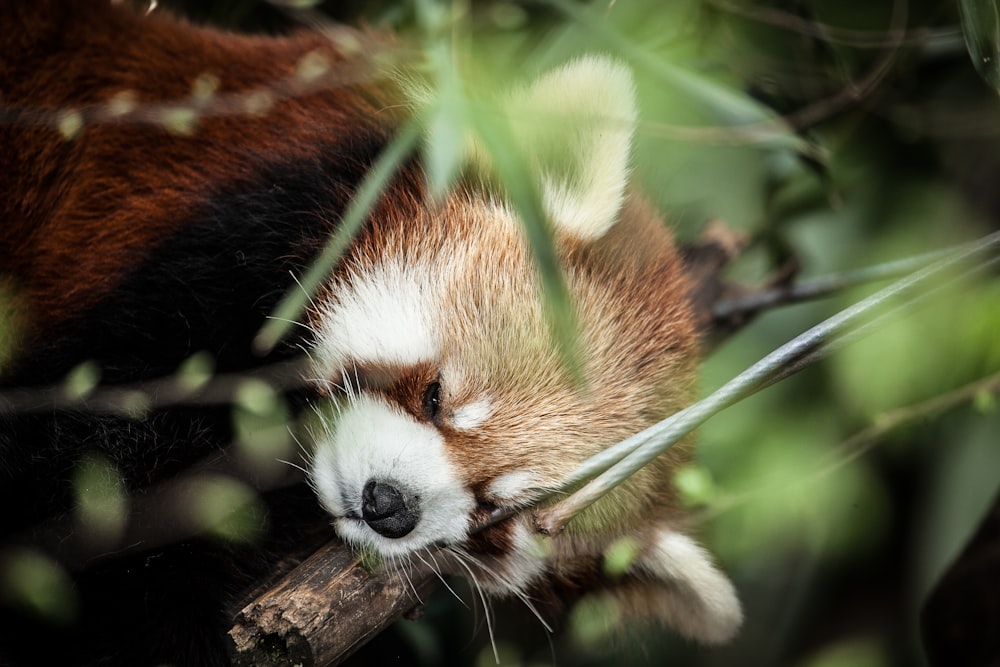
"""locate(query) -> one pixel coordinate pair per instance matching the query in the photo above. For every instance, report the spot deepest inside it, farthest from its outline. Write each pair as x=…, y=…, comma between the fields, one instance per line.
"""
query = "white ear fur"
x=575, y=124
x=693, y=596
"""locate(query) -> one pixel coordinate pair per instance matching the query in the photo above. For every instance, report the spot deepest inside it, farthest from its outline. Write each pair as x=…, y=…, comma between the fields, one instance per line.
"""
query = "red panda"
x=135, y=234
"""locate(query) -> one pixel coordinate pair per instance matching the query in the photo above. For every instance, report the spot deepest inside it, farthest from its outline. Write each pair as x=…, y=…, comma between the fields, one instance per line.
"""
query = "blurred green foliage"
x=101, y=500
x=37, y=584
x=225, y=508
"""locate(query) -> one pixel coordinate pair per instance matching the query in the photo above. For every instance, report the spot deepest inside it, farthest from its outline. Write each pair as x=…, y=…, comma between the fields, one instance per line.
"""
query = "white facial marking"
x=373, y=440
x=383, y=316
x=472, y=415
x=519, y=485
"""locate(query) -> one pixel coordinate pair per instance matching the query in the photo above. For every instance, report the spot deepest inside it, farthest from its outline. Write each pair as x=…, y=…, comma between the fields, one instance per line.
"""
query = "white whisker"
x=406, y=575
x=308, y=327
x=523, y=597
x=436, y=569
x=308, y=295
x=293, y=465
x=482, y=597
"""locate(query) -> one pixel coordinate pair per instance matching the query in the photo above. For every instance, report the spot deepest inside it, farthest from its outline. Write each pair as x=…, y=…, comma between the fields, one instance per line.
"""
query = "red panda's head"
x=448, y=396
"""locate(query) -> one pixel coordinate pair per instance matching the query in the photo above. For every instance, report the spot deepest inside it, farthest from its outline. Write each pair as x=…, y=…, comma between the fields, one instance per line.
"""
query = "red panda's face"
x=448, y=396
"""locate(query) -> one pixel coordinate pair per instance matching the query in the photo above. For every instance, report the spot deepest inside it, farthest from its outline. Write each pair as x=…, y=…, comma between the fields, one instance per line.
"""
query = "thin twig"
x=769, y=128
x=314, y=75
x=747, y=305
x=859, y=39
x=864, y=327
x=862, y=441
x=137, y=398
x=612, y=466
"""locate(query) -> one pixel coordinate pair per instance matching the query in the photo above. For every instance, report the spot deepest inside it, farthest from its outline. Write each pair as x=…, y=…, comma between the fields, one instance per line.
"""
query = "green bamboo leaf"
x=101, y=499
x=82, y=380
x=260, y=427
x=981, y=30
x=694, y=485
x=593, y=621
x=196, y=371
x=445, y=109
x=515, y=174
x=227, y=508
x=445, y=123
x=620, y=556
x=70, y=124
x=37, y=584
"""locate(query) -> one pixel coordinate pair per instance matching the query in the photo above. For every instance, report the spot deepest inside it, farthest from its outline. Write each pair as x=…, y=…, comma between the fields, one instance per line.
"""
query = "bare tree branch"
x=324, y=610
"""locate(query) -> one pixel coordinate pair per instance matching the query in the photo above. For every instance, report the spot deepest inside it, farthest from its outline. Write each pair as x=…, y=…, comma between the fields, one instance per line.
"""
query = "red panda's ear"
x=675, y=581
x=575, y=125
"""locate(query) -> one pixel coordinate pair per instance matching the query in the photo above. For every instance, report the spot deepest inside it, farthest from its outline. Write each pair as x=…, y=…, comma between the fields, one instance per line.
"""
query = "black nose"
x=384, y=509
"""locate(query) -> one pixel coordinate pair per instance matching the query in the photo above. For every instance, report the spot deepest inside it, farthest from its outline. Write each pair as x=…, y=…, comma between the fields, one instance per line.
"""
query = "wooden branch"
x=705, y=260
x=324, y=610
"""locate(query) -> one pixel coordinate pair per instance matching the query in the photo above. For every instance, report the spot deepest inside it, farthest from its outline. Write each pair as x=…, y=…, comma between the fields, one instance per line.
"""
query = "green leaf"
x=446, y=124
x=196, y=371
x=515, y=174
x=256, y=396
x=981, y=30
x=227, y=509
x=101, y=499
x=261, y=428
x=985, y=402
x=593, y=621
x=695, y=485
x=70, y=123
x=181, y=121
x=620, y=556
x=82, y=380
x=34, y=582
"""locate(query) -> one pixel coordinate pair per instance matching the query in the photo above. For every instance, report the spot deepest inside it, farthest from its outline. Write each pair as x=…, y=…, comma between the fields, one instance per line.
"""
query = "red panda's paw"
x=675, y=582
x=654, y=576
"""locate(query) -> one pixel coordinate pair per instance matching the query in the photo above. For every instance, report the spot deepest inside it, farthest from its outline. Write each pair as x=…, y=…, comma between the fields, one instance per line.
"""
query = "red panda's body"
x=136, y=245
x=162, y=185
x=127, y=185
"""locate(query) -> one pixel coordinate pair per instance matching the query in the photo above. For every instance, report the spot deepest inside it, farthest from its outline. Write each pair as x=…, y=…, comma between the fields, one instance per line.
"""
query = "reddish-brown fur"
x=131, y=185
